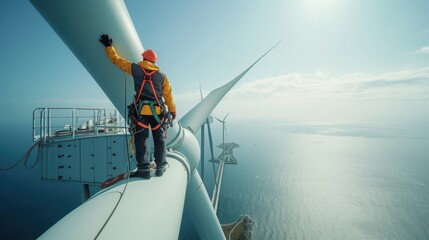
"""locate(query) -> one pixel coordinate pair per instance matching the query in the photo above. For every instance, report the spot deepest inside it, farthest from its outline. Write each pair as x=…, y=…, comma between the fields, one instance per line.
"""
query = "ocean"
x=296, y=181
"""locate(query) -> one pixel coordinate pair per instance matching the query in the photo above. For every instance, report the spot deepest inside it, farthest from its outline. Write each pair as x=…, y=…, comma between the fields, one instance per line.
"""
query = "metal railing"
x=51, y=123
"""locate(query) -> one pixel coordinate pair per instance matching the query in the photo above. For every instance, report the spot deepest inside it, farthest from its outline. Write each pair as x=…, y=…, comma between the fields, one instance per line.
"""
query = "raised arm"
x=120, y=62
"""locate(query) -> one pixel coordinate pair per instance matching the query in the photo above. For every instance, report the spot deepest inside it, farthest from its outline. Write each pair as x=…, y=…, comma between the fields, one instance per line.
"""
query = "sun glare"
x=321, y=12
x=320, y=4
x=316, y=7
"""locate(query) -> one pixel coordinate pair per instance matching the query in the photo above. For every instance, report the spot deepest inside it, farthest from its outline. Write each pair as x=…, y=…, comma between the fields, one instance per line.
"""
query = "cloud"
x=391, y=97
x=399, y=97
x=424, y=50
x=401, y=84
x=350, y=129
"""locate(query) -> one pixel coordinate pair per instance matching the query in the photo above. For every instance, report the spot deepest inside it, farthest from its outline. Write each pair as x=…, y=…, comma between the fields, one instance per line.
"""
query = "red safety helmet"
x=150, y=55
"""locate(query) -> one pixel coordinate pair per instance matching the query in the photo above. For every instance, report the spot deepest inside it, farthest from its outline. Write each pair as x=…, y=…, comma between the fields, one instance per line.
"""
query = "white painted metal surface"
x=79, y=23
x=199, y=209
x=196, y=117
x=218, y=184
x=86, y=159
x=132, y=209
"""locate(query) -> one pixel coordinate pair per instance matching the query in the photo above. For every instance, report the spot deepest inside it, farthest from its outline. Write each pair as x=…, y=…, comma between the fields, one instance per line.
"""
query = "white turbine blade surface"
x=197, y=115
x=137, y=209
x=79, y=23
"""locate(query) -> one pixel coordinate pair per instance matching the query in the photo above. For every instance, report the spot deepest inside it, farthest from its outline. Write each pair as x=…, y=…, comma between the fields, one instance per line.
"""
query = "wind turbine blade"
x=202, y=152
x=218, y=119
x=80, y=23
x=202, y=137
x=197, y=115
x=201, y=91
x=211, y=147
x=225, y=117
x=200, y=210
x=104, y=214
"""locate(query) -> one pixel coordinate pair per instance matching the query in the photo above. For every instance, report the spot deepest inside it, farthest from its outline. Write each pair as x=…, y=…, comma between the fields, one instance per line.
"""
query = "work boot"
x=143, y=173
x=160, y=170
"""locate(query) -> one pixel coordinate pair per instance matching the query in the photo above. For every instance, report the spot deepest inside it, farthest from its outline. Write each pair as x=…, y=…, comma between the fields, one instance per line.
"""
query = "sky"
x=343, y=61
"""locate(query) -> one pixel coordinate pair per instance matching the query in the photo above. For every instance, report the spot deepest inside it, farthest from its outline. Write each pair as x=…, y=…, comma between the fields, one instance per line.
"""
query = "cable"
x=25, y=158
x=125, y=126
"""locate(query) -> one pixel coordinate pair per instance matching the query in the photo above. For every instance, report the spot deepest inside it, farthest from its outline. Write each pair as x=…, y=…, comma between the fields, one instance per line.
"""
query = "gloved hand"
x=174, y=115
x=105, y=40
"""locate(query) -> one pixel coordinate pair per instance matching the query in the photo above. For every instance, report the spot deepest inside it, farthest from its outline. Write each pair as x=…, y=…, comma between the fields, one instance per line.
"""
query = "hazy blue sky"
x=340, y=60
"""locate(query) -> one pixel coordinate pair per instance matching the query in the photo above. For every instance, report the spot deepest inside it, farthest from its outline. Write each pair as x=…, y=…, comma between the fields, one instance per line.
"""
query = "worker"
x=153, y=97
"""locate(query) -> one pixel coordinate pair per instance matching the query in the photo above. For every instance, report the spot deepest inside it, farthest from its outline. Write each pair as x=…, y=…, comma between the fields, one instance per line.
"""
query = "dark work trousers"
x=141, y=143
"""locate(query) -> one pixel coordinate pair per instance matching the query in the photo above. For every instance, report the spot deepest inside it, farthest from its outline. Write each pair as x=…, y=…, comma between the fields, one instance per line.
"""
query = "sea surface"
x=296, y=181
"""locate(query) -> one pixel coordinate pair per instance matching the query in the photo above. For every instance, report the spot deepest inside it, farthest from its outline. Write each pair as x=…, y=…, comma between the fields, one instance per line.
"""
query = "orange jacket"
x=133, y=68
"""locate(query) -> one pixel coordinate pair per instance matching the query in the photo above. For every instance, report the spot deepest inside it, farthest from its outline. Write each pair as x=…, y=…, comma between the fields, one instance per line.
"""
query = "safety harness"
x=138, y=105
